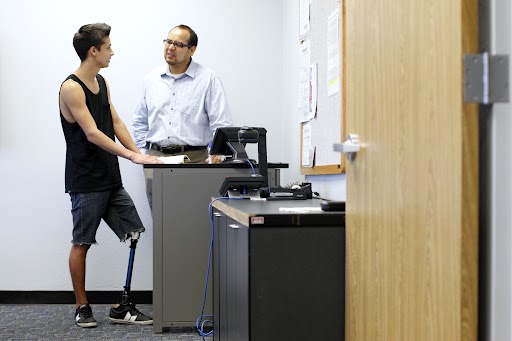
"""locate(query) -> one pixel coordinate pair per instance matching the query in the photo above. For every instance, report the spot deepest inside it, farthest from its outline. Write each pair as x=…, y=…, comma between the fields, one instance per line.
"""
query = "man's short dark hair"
x=88, y=36
x=193, y=36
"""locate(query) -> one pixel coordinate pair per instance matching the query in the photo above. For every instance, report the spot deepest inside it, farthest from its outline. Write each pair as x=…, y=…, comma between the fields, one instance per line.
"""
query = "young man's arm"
x=73, y=102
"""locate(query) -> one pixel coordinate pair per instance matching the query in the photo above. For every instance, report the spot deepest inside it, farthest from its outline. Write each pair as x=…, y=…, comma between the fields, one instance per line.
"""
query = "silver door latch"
x=350, y=147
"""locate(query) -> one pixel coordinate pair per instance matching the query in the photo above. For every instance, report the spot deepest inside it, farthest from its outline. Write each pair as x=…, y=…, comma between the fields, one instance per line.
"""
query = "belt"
x=173, y=148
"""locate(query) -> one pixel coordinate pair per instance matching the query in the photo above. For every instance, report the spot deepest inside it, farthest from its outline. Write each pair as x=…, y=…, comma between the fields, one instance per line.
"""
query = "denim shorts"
x=114, y=206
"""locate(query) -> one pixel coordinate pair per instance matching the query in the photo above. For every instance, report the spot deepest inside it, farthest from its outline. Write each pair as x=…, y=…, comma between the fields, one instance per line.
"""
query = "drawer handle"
x=233, y=226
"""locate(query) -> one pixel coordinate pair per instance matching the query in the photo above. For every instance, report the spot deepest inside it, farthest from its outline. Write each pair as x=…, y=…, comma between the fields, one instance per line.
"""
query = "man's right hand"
x=144, y=159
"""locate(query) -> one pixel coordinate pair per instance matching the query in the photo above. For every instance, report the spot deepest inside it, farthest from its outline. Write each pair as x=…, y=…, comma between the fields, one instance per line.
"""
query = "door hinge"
x=486, y=78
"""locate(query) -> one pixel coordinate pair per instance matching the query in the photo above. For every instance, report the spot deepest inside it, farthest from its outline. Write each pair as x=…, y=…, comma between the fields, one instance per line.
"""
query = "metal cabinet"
x=182, y=234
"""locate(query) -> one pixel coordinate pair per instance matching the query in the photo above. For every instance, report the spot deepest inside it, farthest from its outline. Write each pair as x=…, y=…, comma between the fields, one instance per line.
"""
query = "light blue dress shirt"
x=181, y=109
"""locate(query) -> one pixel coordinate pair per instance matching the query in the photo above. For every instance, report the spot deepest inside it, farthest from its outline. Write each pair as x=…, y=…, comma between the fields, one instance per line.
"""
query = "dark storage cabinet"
x=278, y=275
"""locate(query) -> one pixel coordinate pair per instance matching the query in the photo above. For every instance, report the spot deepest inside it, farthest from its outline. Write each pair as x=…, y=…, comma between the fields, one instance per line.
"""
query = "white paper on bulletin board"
x=304, y=18
x=313, y=90
x=333, y=53
x=304, y=74
x=308, y=150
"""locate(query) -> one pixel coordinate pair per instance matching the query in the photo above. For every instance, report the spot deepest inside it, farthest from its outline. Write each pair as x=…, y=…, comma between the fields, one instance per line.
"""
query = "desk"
x=182, y=235
x=278, y=275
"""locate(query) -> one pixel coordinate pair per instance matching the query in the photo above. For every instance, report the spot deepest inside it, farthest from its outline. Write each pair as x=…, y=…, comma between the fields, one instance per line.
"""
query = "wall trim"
x=67, y=297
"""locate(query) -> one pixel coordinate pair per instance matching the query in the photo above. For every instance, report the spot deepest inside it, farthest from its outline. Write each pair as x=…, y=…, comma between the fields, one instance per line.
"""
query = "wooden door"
x=412, y=191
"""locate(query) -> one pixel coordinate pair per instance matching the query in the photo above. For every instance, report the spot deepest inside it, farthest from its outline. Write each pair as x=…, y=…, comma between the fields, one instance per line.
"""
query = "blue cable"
x=200, y=322
x=250, y=164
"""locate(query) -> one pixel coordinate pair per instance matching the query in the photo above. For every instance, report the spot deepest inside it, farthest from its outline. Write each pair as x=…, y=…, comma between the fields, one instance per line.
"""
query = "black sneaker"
x=127, y=313
x=84, y=318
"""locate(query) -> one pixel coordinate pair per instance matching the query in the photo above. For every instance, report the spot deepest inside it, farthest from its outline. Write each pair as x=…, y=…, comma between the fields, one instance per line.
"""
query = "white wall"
x=290, y=87
x=242, y=40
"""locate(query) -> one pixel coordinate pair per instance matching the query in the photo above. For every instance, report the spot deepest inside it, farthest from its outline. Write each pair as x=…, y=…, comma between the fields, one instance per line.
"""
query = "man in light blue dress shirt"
x=182, y=104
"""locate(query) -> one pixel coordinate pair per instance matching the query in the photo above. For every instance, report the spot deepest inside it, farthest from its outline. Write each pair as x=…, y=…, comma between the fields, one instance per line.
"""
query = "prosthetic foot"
x=125, y=312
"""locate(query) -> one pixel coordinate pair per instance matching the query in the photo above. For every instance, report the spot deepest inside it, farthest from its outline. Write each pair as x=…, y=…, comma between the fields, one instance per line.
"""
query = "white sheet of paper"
x=305, y=57
x=308, y=151
x=174, y=159
x=313, y=90
x=333, y=53
x=304, y=18
x=300, y=209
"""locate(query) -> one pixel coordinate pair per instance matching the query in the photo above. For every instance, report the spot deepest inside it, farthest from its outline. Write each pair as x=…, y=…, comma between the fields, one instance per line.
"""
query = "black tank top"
x=88, y=167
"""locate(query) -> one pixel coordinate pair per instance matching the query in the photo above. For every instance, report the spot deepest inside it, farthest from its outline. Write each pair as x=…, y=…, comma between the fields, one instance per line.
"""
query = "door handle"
x=350, y=147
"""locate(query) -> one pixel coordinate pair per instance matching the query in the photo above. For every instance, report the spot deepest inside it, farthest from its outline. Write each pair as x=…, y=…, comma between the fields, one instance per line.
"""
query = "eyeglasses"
x=169, y=42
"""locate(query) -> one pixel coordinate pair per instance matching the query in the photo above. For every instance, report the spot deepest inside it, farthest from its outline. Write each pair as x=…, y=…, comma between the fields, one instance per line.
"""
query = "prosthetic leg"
x=125, y=312
x=125, y=297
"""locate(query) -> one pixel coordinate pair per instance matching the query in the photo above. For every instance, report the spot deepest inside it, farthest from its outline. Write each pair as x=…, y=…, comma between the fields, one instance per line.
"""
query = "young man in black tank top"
x=90, y=124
